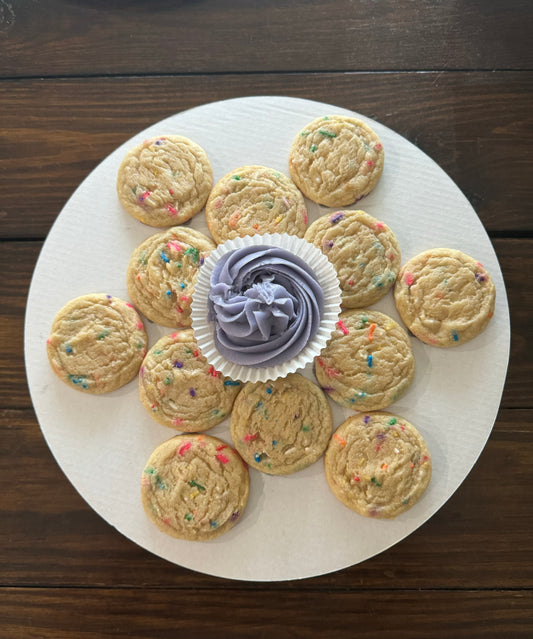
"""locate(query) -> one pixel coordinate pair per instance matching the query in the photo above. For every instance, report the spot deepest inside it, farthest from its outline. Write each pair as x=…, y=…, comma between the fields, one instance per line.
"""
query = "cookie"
x=97, y=343
x=336, y=160
x=194, y=487
x=255, y=199
x=162, y=273
x=444, y=297
x=180, y=389
x=377, y=464
x=281, y=426
x=165, y=180
x=364, y=252
x=367, y=363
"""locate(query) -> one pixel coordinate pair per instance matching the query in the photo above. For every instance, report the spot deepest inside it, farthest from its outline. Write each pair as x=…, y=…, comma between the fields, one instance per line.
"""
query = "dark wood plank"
x=479, y=539
x=17, y=260
x=60, y=37
x=476, y=126
x=94, y=614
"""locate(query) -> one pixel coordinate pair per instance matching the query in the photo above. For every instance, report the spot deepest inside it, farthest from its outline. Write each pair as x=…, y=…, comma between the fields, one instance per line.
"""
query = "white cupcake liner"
x=204, y=330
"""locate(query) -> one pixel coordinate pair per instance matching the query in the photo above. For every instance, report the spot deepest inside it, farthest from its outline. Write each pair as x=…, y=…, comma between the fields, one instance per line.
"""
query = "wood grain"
x=54, y=132
x=17, y=260
x=137, y=614
x=76, y=38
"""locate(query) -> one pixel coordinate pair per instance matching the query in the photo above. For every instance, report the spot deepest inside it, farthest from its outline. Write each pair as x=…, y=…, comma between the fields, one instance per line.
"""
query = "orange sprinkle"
x=341, y=441
x=371, y=330
x=384, y=466
x=233, y=219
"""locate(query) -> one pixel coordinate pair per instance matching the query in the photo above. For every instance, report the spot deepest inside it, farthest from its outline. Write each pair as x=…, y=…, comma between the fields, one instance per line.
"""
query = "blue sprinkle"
x=257, y=457
x=178, y=364
x=164, y=257
x=182, y=285
x=337, y=217
x=68, y=349
x=369, y=360
x=455, y=336
x=214, y=524
x=269, y=391
x=230, y=382
x=169, y=293
x=274, y=442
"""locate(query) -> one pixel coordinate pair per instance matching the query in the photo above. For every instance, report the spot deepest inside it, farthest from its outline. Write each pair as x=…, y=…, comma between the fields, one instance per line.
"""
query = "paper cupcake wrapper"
x=204, y=330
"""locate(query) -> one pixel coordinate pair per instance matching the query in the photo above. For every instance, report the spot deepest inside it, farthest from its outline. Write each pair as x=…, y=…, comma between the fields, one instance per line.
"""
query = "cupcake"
x=264, y=306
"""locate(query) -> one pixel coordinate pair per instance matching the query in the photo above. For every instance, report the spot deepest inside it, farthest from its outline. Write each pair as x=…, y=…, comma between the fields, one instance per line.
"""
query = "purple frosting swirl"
x=266, y=304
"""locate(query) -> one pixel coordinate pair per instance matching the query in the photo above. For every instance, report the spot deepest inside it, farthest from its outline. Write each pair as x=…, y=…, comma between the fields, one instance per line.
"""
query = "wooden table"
x=77, y=79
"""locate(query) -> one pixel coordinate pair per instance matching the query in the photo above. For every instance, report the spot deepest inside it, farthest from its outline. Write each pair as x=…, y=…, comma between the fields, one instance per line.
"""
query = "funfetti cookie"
x=162, y=273
x=255, y=199
x=364, y=252
x=336, y=160
x=165, y=180
x=444, y=297
x=368, y=362
x=281, y=426
x=194, y=487
x=180, y=389
x=377, y=464
x=97, y=343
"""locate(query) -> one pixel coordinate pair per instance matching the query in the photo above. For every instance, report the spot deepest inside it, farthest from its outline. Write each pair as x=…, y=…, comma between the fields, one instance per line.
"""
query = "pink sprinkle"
x=174, y=246
x=480, y=264
x=171, y=192
x=178, y=421
x=48, y=341
x=250, y=437
x=129, y=305
x=167, y=521
x=140, y=326
x=174, y=335
x=351, y=283
x=221, y=447
x=370, y=163
x=184, y=298
x=222, y=458
x=171, y=209
x=285, y=201
x=342, y=327
x=356, y=478
x=196, y=353
x=143, y=196
x=218, y=202
x=212, y=371
x=409, y=279
x=142, y=371
x=179, y=309
x=184, y=448
x=380, y=225
x=378, y=147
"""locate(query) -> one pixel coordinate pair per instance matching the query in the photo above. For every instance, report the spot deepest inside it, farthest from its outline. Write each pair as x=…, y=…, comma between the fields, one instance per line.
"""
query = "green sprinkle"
x=140, y=344
x=305, y=133
x=194, y=252
x=269, y=204
x=158, y=352
x=236, y=177
x=149, y=470
x=188, y=516
x=159, y=483
x=276, y=174
x=168, y=381
x=393, y=421
x=307, y=428
x=326, y=117
x=328, y=134
x=103, y=334
x=375, y=481
x=313, y=148
x=142, y=258
x=179, y=264
x=196, y=484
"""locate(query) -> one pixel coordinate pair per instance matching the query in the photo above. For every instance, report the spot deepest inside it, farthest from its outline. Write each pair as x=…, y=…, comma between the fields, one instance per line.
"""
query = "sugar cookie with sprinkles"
x=180, y=389
x=164, y=181
x=194, y=487
x=162, y=273
x=282, y=426
x=377, y=464
x=255, y=199
x=364, y=252
x=97, y=343
x=367, y=363
x=336, y=160
x=444, y=297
